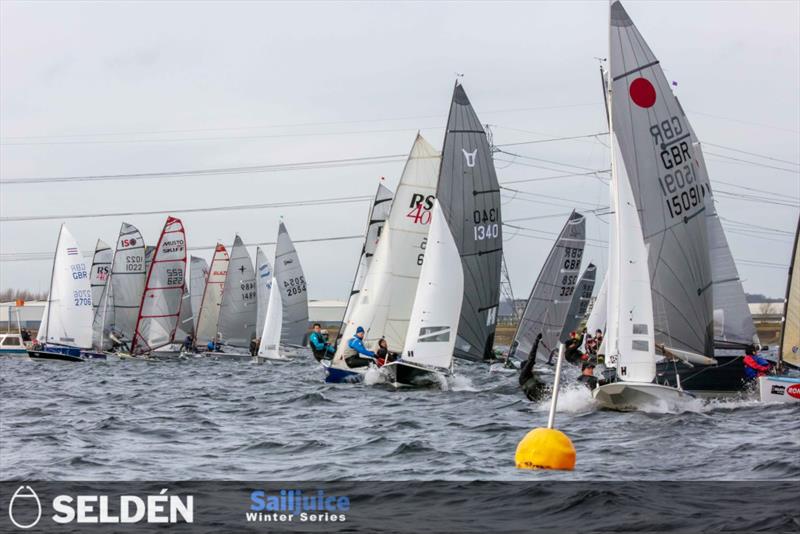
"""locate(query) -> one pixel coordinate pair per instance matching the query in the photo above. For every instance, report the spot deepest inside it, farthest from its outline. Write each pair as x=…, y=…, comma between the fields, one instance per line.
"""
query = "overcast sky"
x=141, y=87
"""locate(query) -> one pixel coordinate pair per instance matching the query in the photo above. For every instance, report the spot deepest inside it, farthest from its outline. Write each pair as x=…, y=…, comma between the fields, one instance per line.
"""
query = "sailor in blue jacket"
x=360, y=356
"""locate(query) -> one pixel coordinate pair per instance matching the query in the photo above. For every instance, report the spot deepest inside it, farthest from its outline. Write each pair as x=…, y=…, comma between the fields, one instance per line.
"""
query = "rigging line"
x=553, y=197
x=754, y=163
x=732, y=149
x=307, y=165
x=287, y=125
x=544, y=160
x=557, y=176
x=546, y=168
x=755, y=189
x=751, y=225
x=317, y=202
x=35, y=256
x=535, y=217
x=537, y=141
x=744, y=122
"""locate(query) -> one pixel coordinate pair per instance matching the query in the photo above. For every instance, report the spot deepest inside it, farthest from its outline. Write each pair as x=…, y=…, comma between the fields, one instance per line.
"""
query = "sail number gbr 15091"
x=679, y=184
x=486, y=226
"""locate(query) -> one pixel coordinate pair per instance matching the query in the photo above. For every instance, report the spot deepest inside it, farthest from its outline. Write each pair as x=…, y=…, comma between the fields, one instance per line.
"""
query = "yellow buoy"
x=545, y=448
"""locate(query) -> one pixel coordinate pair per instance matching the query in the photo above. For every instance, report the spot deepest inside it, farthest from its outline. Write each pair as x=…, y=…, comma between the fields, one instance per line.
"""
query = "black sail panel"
x=469, y=195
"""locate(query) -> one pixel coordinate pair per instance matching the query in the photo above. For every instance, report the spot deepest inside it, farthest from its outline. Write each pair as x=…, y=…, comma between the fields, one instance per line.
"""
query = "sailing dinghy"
x=786, y=388
x=546, y=310
x=237, y=312
x=385, y=300
x=378, y=213
x=294, y=293
x=431, y=334
x=208, y=316
x=269, y=349
x=659, y=269
x=66, y=330
x=264, y=279
x=159, y=310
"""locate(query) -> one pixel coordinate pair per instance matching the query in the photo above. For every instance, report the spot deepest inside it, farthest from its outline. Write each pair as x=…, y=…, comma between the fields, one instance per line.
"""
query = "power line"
x=37, y=256
x=289, y=125
x=303, y=165
x=319, y=202
x=752, y=154
x=755, y=163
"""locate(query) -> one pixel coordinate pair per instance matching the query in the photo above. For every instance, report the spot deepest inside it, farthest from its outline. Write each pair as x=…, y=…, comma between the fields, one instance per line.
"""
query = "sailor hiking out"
x=320, y=347
x=358, y=355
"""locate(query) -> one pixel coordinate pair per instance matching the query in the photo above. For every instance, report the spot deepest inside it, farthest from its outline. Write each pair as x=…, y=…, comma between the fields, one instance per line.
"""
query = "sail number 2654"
x=486, y=226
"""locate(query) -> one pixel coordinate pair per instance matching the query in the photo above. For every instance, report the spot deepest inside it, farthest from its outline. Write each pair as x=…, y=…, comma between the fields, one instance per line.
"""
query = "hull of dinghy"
x=57, y=355
x=633, y=396
x=337, y=375
x=407, y=374
x=779, y=389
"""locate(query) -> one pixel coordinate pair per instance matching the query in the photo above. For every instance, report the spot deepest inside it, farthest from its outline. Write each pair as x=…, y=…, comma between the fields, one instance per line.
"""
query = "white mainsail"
x=198, y=275
x=634, y=348
x=790, y=334
x=384, y=303
x=292, y=284
x=273, y=323
x=434, y=318
x=101, y=270
x=208, y=316
x=597, y=317
x=163, y=293
x=128, y=274
x=67, y=318
x=264, y=280
x=378, y=213
x=237, y=313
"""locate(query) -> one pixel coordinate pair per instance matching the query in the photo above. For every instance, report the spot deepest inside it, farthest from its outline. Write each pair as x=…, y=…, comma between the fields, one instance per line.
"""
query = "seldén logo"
x=22, y=503
x=25, y=509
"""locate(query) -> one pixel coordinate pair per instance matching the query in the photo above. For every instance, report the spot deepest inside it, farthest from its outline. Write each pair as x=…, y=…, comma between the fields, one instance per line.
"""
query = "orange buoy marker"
x=547, y=448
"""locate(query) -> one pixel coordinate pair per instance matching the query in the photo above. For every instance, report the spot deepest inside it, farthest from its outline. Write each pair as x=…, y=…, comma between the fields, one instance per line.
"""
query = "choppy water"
x=202, y=419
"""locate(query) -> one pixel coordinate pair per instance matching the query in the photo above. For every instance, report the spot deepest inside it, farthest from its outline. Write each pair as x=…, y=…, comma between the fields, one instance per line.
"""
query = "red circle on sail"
x=642, y=92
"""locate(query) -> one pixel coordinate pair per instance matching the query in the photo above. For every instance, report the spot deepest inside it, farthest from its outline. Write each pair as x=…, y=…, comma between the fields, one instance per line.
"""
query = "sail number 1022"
x=486, y=226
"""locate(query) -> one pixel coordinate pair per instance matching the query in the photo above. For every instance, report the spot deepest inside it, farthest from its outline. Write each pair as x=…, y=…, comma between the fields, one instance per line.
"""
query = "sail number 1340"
x=486, y=226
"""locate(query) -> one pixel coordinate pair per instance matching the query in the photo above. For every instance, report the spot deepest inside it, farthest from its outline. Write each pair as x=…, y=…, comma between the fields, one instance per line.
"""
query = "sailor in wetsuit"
x=360, y=356
x=587, y=376
x=118, y=341
x=320, y=347
x=528, y=381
